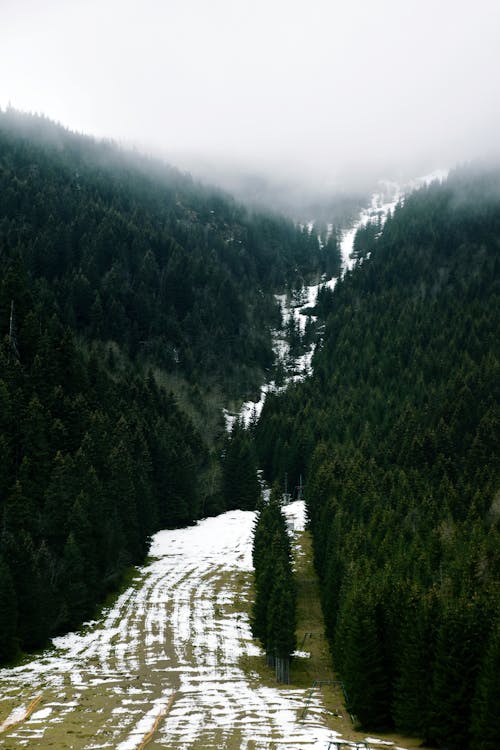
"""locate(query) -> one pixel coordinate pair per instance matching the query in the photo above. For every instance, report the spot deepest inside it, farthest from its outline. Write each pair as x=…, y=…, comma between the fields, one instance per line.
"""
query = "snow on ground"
x=301, y=366
x=166, y=657
x=15, y=716
x=295, y=514
x=382, y=202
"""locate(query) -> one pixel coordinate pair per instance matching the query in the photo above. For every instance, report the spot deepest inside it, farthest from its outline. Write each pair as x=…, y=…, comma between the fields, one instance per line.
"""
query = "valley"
x=173, y=654
x=129, y=325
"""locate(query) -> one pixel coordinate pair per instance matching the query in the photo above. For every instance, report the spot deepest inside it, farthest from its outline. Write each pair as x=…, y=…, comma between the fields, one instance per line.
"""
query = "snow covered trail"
x=169, y=658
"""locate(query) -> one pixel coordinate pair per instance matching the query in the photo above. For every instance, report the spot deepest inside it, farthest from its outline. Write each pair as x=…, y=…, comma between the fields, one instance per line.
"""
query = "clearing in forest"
x=171, y=664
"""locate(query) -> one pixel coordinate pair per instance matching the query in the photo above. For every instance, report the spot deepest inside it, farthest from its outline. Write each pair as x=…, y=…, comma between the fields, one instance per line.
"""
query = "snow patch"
x=296, y=512
x=39, y=715
x=184, y=630
x=382, y=202
x=15, y=716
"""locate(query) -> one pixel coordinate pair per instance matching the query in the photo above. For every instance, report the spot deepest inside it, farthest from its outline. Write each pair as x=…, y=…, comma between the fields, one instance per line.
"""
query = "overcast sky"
x=317, y=89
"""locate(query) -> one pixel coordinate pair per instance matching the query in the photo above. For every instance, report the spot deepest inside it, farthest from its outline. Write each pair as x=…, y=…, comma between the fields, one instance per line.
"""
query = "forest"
x=119, y=276
x=274, y=608
x=125, y=285
x=397, y=435
x=129, y=250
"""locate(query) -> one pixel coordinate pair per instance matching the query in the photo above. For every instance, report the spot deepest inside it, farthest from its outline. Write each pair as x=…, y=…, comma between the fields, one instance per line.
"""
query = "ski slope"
x=170, y=660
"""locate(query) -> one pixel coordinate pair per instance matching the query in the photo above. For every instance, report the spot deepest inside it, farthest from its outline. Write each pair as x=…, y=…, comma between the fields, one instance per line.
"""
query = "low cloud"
x=318, y=93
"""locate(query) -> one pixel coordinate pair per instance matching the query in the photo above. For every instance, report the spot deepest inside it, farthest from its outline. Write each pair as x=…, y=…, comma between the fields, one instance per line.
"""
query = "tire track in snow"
x=183, y=629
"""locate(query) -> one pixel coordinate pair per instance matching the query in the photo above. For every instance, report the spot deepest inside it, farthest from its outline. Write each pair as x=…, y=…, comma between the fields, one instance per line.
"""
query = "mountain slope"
x=129, y=250
x=397, y=435
x=116, y=273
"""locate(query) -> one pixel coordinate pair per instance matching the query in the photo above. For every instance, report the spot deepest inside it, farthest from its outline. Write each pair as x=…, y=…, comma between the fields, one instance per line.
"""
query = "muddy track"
x=163, y=665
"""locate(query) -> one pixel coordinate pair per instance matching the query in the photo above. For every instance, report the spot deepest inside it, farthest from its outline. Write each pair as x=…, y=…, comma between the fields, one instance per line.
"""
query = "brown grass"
x=6, y=726
x=149, y=736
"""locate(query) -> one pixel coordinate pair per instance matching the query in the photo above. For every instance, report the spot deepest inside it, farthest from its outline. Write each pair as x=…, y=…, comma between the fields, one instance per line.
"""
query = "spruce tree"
x=8, y=615
x=274, y=608
x=485, y=728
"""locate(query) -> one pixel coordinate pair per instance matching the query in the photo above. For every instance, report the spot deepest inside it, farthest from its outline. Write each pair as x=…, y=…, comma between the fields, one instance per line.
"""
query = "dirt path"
x=165, y=662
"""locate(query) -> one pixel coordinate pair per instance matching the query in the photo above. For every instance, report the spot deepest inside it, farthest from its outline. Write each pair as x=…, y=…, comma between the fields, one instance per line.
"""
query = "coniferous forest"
x=397, y=434
x=274, y=608
x=115, y=272
x=120, y=276
x=129, y=250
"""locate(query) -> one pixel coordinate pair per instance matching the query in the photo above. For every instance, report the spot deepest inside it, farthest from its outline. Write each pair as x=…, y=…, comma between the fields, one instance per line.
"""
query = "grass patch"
x=311, y=638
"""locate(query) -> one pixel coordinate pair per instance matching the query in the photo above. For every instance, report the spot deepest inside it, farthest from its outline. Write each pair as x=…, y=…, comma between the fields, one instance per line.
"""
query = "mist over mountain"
x=134, y=304
x=290, y=195
x=139, y=308
x=323, y=94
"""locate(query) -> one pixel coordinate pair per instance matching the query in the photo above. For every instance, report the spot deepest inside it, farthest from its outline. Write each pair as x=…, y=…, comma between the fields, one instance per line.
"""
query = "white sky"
x=310, y=87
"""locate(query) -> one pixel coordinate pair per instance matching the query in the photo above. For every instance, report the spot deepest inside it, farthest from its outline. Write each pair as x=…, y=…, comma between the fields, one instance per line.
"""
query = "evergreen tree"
x=75, y=591
x=485, y=729
x=363, y=667
x=8, y=615
x=240, y=485
x=413, y=684
x=274, y=607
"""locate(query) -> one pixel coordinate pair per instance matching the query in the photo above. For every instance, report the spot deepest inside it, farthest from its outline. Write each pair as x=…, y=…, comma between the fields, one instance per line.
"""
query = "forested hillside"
x=115, y=270
x=127, y=249
x=397, y=434
x=91, y=465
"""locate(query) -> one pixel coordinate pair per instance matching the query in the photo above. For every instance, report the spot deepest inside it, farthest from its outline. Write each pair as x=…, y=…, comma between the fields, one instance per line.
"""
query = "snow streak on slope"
x=296, y=370
x=166, y=657
x=382, y=202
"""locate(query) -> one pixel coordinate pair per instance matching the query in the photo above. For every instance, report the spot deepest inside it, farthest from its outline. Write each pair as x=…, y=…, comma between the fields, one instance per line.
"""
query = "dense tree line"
x=92, y=462
x=274, y=609
x=397, y=433
x=129, y=250
x=114, y=267
x=240, y=483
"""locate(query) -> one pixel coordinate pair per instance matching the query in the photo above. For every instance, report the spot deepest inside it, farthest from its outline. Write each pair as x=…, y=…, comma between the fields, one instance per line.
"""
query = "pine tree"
x=240, y=485
x=415, y=659
x=59, y=498
x=8, y=615
x=281, y=621
x=75, y=591
x=485, y=727
x=458, y=646
x=274, y=608
x=362, y=665
x=20, y=555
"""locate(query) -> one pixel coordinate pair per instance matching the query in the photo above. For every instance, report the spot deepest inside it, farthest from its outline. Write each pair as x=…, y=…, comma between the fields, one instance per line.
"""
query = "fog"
x=322, y=94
